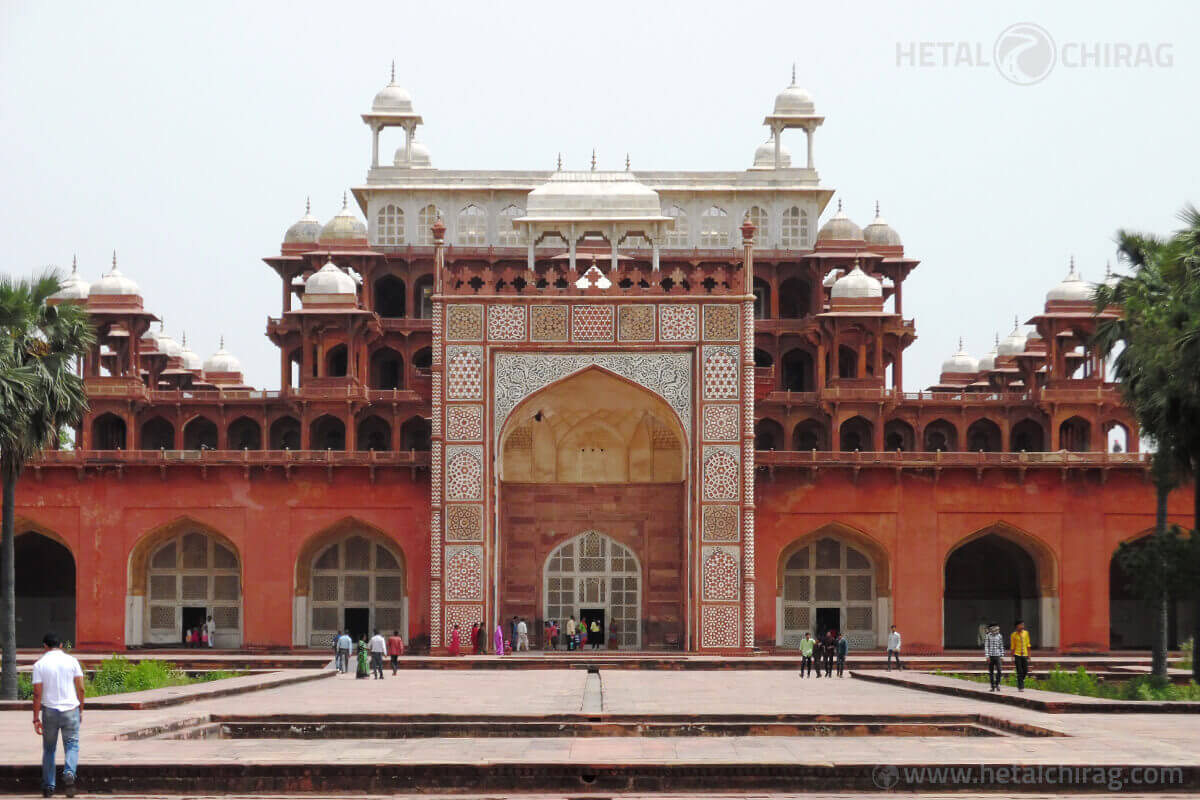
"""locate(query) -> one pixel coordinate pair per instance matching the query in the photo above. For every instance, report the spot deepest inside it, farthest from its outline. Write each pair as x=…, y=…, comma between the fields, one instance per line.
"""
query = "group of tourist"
x=833, y=646
x=368, y=653
x=993, y=650
x=514, y=637
x=201, y=636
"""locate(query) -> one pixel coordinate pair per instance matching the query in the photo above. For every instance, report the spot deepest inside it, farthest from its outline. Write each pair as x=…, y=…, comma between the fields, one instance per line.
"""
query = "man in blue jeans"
x=57, y=707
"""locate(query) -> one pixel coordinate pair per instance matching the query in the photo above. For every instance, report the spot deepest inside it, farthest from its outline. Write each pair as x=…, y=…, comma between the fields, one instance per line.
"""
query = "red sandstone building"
x=666, y=401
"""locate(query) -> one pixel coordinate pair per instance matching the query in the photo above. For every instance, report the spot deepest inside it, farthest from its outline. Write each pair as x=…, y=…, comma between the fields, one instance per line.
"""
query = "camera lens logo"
x=1025, y=53
x=885, y=776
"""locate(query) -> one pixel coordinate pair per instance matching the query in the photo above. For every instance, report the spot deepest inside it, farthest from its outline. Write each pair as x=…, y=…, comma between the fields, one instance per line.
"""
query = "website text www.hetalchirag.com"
x=1038, y=775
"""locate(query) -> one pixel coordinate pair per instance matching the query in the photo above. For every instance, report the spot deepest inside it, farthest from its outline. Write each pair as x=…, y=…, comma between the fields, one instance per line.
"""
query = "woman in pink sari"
x=455, y=641
x=498, y=640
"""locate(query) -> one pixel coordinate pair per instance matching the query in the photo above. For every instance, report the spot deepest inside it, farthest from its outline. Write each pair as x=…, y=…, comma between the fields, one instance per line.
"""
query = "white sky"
x=186, y=136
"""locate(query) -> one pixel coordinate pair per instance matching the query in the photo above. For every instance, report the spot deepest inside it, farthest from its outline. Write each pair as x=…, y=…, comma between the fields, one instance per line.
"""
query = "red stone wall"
x=646, y=518
x=267, y=516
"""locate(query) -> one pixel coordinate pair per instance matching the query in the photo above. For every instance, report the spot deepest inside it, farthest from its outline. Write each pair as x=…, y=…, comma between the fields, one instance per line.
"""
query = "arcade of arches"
x=592, y=502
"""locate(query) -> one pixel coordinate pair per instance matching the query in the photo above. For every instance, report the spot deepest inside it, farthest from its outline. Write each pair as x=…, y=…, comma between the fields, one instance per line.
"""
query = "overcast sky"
x=186, y=136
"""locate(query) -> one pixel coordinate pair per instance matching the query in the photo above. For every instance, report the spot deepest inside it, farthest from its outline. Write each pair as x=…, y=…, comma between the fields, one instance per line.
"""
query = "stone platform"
x=612, y=732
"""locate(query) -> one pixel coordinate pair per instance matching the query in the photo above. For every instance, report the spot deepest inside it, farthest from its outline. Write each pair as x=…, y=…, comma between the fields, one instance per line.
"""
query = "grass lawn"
x=118, y=675
x=1081, y=682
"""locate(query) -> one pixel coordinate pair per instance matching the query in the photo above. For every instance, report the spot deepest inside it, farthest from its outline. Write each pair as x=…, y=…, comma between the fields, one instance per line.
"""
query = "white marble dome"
x=114, y=282
x=988, y=362
x=880, y=233
x=330, y=279
x=420, y=156
x=344, y=227
x=600, y=195
x=793, y=100
x=393, y=98
x=167, y=344
x=1072, y=288
x=191, y=361
x=1014, y=343
x=306, y=230
x=764, y=155
x=856, y=284
x=73, y=287
x=839, y=227
x=222, y=361
x=961, y=363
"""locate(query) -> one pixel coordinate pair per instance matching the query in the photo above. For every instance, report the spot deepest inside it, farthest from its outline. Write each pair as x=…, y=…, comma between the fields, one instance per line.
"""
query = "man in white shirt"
x=893, y=649
x=57, y=707
x=378, y=649
x=522, y=636
x=210, y=630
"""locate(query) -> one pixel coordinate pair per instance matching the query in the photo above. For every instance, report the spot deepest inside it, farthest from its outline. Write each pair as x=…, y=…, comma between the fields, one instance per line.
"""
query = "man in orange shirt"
x=395, y=649
x=1019, y=644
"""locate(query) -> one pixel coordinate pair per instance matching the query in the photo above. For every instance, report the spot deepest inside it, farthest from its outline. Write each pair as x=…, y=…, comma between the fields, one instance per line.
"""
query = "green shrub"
x=24, y=686
x=1081, y=682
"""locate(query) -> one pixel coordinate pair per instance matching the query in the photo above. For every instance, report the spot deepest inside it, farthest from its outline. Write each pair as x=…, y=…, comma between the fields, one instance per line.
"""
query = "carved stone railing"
x=1059, y=459
x=215, y=458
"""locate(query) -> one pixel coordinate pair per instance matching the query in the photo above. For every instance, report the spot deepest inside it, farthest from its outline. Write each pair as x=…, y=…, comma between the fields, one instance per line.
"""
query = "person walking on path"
x=395, y=649
x=344, y=645
x=455, y=641
x=843, y=647
x=363, y=669
x=477, y=638
x=818, y=652
x=498, y=640
x=58, y=695
x=993, y=649
x=378, y=648
x=210, y=630
x=893, y=649
x=581, y=640
x=594, y=635
x=806, y=652
x=522, y=636
x=1019, y=644
x=571, y=633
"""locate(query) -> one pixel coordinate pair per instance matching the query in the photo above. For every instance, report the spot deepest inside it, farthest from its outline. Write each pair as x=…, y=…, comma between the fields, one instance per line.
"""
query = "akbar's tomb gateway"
x=671, y=402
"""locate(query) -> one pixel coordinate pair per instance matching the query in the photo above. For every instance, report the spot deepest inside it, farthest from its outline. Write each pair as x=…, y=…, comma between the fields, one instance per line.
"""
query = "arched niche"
x=593, y=427
x=45, y=585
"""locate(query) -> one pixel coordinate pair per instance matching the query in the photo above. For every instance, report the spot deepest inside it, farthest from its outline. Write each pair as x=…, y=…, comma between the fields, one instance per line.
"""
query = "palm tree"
x=40, y=393
x=1158, y=366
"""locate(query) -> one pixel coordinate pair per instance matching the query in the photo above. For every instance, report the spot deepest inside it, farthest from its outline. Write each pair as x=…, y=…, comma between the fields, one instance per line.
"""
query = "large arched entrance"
x=356, y=582
x=595, y=452
x=191, y=575
x=1131, y=620
x=829, y=582
x=595, y=577
x=999, y=576
x=45, y=588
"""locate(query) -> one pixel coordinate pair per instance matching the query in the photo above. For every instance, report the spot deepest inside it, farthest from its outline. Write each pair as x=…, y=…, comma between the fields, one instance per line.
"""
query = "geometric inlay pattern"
x=677, y=323
x=721, y=422
x=464, y=423
x=719, y=625
x=464, y=323
x=464, y=523
x=518, y=375
x=721, y=323
x=721, y=578
x=464, y=472
x=464, y=373
x=592, y=323
x=548, y=323
x=506, y=323
x=464, y=617
x=722, y=472
x=720, y=524
x=636, y=323
x=464, y=572
x=721, y=373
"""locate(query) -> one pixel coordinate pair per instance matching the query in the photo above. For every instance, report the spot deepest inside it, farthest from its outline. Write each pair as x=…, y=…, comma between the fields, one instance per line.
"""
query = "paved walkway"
x=1099, y=739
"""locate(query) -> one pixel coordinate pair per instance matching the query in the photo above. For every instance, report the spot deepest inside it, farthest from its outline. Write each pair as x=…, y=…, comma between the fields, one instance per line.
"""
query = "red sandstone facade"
x=703, y=448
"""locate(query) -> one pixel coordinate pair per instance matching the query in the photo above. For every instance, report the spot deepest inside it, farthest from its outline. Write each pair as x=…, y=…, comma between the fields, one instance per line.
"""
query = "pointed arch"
x=595, y=570
x=46, y=585
x=861, y=540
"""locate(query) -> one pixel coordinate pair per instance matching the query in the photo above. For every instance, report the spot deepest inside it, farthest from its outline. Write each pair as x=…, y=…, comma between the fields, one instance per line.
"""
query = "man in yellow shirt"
x=1019, y=644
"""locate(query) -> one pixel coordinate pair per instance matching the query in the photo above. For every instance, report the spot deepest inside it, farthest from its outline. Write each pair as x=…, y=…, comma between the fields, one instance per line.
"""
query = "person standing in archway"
x=1019, y=642
x=210, y=630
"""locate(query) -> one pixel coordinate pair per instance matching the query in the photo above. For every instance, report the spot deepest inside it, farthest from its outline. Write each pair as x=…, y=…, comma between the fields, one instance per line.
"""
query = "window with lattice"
x=356, y=572
x=714, y=228
x=594, y=571
x=425, y=219
x=390, y=226
x=472, y=226
x=678, y=235
x=506, y=234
